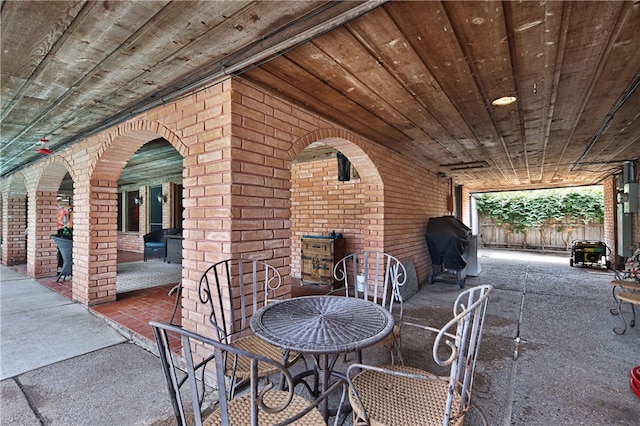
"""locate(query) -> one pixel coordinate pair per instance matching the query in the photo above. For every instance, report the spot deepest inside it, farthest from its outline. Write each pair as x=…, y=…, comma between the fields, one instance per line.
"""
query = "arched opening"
x=323, y=202
x=133, y=165
x=149, y=201
x=54, y=201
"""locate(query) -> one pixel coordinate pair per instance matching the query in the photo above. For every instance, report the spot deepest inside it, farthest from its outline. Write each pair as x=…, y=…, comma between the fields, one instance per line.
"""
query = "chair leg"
x=178, y=290
x=397, y=348
x=624, y=330
x=614, y=311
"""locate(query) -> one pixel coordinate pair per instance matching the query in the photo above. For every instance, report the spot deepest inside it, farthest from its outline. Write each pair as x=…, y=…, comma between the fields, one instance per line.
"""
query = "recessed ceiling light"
x=505, y=100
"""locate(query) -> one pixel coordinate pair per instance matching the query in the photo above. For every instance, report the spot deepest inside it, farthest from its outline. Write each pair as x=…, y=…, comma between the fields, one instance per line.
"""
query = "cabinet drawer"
x=317, y=247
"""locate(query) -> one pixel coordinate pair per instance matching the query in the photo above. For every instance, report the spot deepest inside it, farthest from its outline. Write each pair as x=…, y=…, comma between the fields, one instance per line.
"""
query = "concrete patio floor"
x=568, y=368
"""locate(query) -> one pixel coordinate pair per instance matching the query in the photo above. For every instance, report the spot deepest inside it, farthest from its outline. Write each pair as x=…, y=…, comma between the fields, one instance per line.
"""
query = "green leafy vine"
x=520, y=211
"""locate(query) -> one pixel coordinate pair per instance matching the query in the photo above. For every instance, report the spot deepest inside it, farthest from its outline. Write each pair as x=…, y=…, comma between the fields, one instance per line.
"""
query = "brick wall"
x=14, y=218
x=243, y=193
x=45, y=220
x=321, y=204
x=238, y=143
x=465, y=214
x=609, y=198
x=130, y=242
x=610, y=217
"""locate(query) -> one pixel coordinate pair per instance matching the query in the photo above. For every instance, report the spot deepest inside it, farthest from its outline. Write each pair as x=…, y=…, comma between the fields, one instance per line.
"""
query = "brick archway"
x=41, y=257
x=355, y=207
x=95, y=232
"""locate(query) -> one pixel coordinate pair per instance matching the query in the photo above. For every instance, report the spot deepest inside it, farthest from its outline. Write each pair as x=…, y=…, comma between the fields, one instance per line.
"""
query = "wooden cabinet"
x=174, y=249
x=319, y=255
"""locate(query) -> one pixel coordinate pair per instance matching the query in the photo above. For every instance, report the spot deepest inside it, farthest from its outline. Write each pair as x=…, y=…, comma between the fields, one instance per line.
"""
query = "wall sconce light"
x=162, y=198
x=344, y=168
x=138, y=201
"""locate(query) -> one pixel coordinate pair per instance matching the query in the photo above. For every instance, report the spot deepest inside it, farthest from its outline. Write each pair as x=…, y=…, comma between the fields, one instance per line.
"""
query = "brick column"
x=95, y=242
x=43, y=261
x=610, y=226
x=14, y=240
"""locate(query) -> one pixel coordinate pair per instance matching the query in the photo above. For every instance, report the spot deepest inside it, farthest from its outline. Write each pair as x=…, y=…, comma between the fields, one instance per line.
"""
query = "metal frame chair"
x=382, y=275
x=205, y=360
x=233, y=289
x=406, y=395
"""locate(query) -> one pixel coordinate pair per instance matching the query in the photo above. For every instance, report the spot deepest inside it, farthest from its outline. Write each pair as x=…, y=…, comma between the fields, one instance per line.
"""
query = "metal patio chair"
x=377, y=277
x=204, y=368
x=233, y=290
x=393, y=395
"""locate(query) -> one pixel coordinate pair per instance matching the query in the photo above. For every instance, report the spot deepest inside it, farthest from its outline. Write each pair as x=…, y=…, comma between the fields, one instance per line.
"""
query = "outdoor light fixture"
x=504, y=101
x=138, y=201
x=162, y=198
x=344, y=168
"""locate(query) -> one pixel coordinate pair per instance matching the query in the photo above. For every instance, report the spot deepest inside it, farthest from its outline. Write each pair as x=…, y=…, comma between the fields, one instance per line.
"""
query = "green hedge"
x=521, y=211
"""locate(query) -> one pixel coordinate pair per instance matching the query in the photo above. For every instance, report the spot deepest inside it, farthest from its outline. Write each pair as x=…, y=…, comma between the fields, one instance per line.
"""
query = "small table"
x=174, y=248
x=322, y=326
x=627, y=291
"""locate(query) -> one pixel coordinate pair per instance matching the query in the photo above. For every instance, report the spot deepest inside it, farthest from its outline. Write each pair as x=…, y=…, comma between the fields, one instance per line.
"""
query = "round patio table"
x=322, y=326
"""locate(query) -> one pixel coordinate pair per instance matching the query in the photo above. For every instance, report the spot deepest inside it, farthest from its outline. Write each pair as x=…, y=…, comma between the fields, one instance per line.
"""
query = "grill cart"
x=589, y=253
x=448, y=240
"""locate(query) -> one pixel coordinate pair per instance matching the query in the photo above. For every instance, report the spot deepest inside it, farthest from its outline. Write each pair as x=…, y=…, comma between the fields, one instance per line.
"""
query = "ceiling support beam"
x=175, y=92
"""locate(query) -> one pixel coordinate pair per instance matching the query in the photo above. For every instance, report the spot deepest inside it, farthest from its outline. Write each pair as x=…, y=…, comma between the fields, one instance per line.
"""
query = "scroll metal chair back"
x=410, y=390
x=204, y=367
x=381, y=276
x=233, y=290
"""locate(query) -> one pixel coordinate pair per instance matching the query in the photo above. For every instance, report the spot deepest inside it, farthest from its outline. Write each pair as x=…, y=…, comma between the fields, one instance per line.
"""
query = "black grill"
x=448, y=240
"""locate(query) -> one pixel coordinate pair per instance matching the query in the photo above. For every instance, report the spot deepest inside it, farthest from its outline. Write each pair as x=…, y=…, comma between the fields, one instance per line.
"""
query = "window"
x=133, y=211
x=155, y=208
x=128, y=212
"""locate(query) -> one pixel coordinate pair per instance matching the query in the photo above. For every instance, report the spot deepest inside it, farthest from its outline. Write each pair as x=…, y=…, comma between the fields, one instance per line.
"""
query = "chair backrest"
x=234, y=289
x=204, y=367
x=159, y=236
x=374, y=276
x=460, y=339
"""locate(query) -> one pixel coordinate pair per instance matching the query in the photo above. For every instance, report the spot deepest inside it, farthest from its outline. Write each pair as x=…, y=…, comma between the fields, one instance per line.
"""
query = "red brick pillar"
x=14, y=240
x=95, y=242
x=42, y=260
x=609, y=195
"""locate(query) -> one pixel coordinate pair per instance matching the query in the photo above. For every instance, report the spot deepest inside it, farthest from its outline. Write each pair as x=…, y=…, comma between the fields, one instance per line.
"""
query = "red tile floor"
x=133, y=310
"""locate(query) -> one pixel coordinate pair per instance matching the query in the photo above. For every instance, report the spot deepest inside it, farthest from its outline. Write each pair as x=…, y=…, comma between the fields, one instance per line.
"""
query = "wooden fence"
x=558, y=236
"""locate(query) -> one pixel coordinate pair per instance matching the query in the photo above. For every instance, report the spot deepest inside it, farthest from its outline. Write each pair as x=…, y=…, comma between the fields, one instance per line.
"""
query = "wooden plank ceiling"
x=418, y=77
